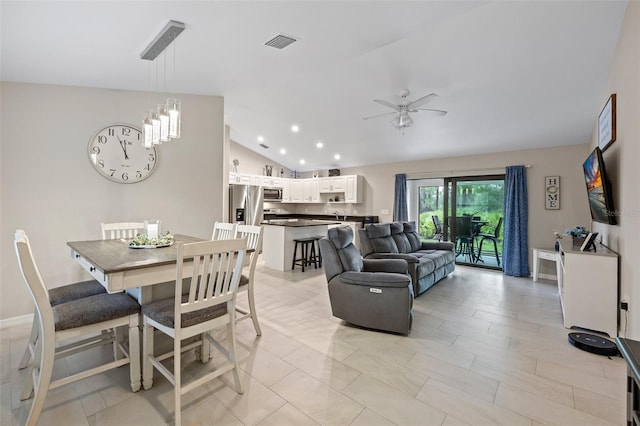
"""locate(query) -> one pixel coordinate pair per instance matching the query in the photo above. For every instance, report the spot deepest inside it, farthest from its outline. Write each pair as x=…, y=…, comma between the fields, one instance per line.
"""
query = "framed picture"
x=552, y=192
x=607, y=124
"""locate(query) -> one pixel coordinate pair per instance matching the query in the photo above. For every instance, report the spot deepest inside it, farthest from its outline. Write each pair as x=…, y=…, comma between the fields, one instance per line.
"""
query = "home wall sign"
x=607, y=123
x=552, y=192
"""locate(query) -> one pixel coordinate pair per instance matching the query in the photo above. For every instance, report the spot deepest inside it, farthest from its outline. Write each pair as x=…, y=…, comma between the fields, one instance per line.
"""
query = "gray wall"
x=49, y=188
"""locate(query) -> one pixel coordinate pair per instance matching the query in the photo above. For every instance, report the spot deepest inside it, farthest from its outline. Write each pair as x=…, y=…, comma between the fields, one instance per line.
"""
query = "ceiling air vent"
x=280, y=41
x=264, y=146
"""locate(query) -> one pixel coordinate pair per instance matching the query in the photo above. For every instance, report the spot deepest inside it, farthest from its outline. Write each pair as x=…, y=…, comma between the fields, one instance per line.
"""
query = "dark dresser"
x=630, y=350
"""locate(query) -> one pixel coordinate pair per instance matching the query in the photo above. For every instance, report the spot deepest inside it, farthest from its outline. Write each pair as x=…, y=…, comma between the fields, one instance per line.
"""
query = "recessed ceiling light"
x=319, y=144
x=260, y=139
x=295, y=128
x=302, y=161
x=337, y=156
x=283, y=151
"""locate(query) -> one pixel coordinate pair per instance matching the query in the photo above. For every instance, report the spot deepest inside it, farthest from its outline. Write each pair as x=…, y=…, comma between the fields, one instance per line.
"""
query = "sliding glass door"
x=468, y=211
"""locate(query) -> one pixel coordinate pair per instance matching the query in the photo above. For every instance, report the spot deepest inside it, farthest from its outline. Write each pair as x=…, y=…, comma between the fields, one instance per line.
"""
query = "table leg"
x=536, y=265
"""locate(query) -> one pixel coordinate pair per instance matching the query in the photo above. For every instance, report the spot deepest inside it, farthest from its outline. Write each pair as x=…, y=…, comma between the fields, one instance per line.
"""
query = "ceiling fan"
x=402, y=119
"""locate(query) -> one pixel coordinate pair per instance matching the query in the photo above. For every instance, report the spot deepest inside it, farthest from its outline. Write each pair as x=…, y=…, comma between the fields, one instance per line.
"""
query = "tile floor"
x=485, y=349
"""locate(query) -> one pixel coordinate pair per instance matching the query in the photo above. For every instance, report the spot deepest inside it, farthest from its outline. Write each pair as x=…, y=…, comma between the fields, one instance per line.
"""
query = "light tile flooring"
x=485, y=349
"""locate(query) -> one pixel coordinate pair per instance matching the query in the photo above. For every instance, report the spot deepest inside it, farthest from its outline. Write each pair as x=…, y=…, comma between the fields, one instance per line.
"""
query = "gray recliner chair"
x=369, y=293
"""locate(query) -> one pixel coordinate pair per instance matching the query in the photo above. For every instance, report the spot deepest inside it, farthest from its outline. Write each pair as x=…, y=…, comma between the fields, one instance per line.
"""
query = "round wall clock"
x=117, y=153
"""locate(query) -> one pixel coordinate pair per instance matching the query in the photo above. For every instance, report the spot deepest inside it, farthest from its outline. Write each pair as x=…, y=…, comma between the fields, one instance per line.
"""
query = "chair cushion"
x=162, y=311
x=67, y=293
x=93, y=309
x=380, y=238
x=342, y=239
x=400, y=238
x=244, y=280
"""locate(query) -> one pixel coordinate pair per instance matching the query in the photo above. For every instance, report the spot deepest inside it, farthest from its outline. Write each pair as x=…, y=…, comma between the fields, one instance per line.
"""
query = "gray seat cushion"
x=162, y=311
x=93, y=309
x=75, y=291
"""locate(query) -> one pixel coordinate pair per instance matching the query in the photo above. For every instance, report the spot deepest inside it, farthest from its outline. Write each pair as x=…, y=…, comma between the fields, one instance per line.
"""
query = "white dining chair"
x=223, y=231
x=58, y=296
x=212, y=271
x=117, y=230
x=253, y=235
x=86, y=317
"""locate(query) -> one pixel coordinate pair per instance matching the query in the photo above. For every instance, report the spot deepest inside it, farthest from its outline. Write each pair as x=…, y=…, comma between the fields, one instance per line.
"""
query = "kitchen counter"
x=297, y=223
x=328, y=217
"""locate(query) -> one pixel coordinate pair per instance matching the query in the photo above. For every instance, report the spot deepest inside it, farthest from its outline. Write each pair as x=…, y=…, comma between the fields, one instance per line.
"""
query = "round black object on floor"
x=592, y=343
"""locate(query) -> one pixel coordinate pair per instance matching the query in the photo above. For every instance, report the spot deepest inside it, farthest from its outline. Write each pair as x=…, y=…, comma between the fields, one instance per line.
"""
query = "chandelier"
x=162, y=123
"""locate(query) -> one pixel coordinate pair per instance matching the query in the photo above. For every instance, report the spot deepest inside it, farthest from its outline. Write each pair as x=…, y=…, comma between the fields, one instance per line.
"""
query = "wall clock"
x=117, y=153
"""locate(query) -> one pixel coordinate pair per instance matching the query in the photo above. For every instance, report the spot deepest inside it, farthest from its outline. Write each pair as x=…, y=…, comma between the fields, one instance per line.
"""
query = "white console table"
x=546, y=254
x=589, y=288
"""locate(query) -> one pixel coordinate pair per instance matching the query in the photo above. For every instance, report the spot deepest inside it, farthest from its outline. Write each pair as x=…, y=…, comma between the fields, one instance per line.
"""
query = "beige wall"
x=621, y=159
x=49, y=188
x=252, y=162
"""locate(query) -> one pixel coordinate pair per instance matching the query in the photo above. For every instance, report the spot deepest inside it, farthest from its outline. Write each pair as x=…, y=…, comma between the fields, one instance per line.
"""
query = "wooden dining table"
x=138, y=271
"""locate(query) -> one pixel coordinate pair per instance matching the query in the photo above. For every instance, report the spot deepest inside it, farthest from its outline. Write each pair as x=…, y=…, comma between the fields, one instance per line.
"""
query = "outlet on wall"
x=384, y=211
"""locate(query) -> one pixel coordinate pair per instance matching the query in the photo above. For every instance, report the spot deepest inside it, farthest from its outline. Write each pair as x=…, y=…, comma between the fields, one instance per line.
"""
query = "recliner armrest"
x=375, y=279
x=398, y=266
x=408, y=257
x=432, y=245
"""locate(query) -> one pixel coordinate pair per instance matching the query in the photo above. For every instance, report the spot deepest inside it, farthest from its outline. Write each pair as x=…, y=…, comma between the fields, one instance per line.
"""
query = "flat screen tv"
x=598, y=188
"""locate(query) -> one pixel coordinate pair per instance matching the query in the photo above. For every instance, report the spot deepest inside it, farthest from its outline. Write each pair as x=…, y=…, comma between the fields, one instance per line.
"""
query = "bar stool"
x=308, y=252
x=317, y=239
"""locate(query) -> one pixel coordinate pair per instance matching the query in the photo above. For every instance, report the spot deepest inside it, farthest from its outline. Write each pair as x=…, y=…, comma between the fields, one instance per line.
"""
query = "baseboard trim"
x=16, y=321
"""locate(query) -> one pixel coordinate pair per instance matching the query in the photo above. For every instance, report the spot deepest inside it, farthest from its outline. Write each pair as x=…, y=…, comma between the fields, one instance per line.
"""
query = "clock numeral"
x=95, y=150
x=125, y=176
x=138, y=174
x=148, y=166
x=102, y=139
x=126, y=131
x=101, y=163
x=152, y=157
x=111, y=132
x=112, y=172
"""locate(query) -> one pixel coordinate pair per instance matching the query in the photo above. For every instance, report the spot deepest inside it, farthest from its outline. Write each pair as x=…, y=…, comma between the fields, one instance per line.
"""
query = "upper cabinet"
x=345, y=189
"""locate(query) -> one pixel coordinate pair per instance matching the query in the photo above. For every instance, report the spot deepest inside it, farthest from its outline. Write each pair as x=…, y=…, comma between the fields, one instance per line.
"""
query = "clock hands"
x=123, y=145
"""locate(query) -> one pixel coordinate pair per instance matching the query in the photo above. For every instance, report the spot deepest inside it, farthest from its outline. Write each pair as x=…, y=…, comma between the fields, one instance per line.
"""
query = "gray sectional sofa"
x=429, y=262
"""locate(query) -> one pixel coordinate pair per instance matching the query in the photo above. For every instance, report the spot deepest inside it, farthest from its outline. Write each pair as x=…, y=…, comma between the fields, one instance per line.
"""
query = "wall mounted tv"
x=598, y=188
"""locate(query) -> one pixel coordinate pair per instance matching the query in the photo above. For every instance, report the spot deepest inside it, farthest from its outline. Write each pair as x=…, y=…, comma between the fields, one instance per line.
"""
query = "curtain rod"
x=459, y=172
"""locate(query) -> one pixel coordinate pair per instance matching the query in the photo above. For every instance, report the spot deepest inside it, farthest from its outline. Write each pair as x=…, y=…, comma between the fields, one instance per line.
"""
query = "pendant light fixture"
x=163, y=124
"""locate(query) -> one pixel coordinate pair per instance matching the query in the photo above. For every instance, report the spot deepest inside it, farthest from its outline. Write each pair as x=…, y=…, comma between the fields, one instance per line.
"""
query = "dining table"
x=138, y=271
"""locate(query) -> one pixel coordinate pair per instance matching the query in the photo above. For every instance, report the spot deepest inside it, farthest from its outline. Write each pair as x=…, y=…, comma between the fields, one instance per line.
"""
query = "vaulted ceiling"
x=511, y=74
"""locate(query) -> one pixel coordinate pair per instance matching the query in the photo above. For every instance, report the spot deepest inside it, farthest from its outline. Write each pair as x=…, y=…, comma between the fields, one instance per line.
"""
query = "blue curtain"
x=400, y=210
x=515, y=251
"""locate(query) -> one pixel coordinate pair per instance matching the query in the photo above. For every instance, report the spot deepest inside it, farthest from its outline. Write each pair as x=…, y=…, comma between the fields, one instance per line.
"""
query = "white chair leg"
x=231, y=330
x=28, y=353
x=147, y=351
x=43, y=369
x=252, y=311
x=177, y=389
x=134, y=352
x=117, y=339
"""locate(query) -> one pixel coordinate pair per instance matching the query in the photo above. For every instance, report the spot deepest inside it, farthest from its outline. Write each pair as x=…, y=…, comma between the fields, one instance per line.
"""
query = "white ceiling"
x=512, y=74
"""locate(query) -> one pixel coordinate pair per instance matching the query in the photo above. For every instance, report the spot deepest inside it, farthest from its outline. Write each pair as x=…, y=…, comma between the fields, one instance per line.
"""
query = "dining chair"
x=494, y=238
x=117, y=230
x=438, y=227
x=224, y=231
x=464, y=238
x=211, y=270
x=253, y=235
x=86, y=317
x=58, y=296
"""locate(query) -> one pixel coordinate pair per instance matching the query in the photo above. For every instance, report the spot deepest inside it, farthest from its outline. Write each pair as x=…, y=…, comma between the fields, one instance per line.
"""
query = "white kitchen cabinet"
x=286, y=190
x=310, y=191
x=353, y=189
x=245, y=179
x=271, y=181
x=296, y=187
x=332, y=184
x=589, y=288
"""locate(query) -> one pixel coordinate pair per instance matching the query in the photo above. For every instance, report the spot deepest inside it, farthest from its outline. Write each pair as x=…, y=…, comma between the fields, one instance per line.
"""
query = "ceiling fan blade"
x=387, y=104
x=421, y=101
x=437, y=111
x=379, y=115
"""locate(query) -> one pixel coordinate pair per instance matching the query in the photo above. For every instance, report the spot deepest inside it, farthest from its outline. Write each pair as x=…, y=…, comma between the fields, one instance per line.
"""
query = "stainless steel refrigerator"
x=246, y=204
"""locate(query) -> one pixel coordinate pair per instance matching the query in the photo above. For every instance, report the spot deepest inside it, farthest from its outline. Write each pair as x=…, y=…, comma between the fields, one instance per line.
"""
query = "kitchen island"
x=278, y=236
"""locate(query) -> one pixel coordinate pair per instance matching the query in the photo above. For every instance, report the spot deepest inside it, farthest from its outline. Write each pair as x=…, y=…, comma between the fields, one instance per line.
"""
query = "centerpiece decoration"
x=578, y=234
x=143, y=241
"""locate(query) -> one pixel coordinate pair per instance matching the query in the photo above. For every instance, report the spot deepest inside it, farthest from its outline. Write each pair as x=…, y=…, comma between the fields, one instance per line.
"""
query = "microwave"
x=272, y=194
